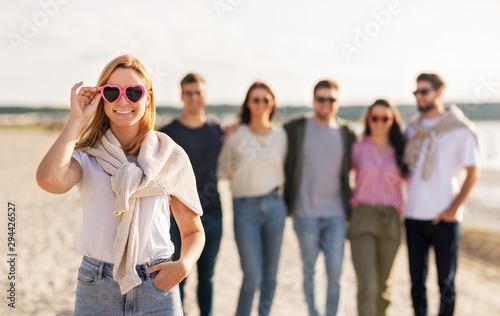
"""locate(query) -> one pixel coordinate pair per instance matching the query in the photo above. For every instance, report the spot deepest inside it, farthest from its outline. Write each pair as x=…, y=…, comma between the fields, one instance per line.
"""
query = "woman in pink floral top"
x=377, y=201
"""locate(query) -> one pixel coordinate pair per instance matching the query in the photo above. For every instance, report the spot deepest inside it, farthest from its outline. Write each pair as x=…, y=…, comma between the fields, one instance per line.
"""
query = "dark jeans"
x=206, y=263
x=444, y=237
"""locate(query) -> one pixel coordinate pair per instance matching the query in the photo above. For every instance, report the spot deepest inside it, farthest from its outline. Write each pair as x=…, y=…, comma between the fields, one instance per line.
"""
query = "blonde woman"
x=130, y=178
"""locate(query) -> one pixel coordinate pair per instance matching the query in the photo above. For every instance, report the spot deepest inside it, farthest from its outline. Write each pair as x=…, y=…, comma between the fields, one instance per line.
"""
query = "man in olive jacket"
x=317, y=189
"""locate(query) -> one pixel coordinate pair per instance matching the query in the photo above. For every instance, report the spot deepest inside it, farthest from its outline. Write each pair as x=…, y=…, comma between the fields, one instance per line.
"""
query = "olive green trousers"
x=375, y=235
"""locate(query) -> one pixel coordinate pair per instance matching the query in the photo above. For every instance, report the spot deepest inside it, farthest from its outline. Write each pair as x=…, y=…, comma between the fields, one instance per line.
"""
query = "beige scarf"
x=453, y=119
x=164, y=169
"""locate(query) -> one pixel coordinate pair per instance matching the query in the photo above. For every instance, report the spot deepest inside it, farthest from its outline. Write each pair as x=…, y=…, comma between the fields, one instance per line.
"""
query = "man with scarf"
x=443, y=155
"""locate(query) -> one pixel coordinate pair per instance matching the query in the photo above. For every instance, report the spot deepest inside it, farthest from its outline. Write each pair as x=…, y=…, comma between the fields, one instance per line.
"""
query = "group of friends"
x=135, y=183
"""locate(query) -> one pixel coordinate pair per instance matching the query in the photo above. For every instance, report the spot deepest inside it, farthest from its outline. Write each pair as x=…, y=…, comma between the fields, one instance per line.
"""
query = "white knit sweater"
x=164, y=169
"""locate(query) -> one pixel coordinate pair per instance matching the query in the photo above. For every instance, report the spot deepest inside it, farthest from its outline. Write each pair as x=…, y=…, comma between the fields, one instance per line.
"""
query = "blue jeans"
x=206, y=263
x=258, y=230
x=444, y=237
x=97, y=293
x=328, y=235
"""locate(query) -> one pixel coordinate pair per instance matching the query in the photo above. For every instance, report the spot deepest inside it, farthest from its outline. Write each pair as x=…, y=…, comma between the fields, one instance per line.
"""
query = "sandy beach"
x=48, y=227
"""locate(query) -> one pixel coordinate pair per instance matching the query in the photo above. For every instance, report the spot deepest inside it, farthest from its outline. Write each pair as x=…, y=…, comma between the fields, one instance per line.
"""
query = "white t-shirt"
x=454, y=151
x=257, y=161
x=100, y=224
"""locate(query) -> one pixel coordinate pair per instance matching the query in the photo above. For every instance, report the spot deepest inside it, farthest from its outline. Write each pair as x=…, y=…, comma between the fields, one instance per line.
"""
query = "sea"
x=483, y=208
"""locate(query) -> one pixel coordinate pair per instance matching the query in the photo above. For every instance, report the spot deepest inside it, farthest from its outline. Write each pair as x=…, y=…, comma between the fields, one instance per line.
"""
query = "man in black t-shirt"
x=202, y=141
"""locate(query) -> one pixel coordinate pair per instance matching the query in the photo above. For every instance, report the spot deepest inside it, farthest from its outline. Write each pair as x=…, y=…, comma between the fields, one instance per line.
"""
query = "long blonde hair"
x=99, y=123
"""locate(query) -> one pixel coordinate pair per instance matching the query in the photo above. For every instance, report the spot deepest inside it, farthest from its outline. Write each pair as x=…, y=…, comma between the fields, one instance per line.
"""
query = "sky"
x=373, y=49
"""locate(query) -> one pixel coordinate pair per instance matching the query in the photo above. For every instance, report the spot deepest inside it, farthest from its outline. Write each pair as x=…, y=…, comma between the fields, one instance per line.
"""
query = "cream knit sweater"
x=452, y=120
x=164, y=169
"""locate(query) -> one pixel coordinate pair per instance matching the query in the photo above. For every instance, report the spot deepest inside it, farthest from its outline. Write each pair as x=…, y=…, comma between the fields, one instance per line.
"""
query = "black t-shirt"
x=202, y=145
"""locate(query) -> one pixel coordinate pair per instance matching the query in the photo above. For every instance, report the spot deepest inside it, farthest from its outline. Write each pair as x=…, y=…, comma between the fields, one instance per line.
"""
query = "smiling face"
x=380, y=120
x=260, y=103
x=193, y=96
x=324, y=108
x=124, y=114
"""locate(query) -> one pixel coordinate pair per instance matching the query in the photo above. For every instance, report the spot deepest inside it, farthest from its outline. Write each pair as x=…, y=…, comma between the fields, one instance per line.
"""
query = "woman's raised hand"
x=84, y=103
x=58, y=172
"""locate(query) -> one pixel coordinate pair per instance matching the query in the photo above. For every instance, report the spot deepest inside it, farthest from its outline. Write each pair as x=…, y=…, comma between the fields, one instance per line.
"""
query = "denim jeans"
x=206, y=263
x=328, y=235
x=258, y=230
x=445, y=238
x=97, y=293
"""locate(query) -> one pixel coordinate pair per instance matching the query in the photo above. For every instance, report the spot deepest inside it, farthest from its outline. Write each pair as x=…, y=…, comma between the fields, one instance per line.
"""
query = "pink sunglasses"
x=133, y=93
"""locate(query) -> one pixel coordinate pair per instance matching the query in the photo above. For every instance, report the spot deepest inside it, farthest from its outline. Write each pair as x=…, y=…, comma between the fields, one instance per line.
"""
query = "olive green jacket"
x=293, y=164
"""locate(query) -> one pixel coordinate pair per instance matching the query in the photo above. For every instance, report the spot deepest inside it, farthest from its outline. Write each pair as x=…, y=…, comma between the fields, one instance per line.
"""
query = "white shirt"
x=100, y=224
x=454, y=151
x=257, y=162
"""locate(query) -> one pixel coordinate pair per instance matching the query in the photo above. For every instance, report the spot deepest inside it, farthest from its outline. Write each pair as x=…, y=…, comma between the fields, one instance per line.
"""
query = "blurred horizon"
x=16, y=115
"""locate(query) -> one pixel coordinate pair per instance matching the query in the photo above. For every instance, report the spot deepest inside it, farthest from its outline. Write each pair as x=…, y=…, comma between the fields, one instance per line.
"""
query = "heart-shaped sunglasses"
x=133, y=93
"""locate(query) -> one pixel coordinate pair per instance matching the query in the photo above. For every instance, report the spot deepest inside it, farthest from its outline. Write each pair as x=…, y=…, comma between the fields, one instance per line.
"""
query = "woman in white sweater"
x=253, y=159
x=130, y=179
